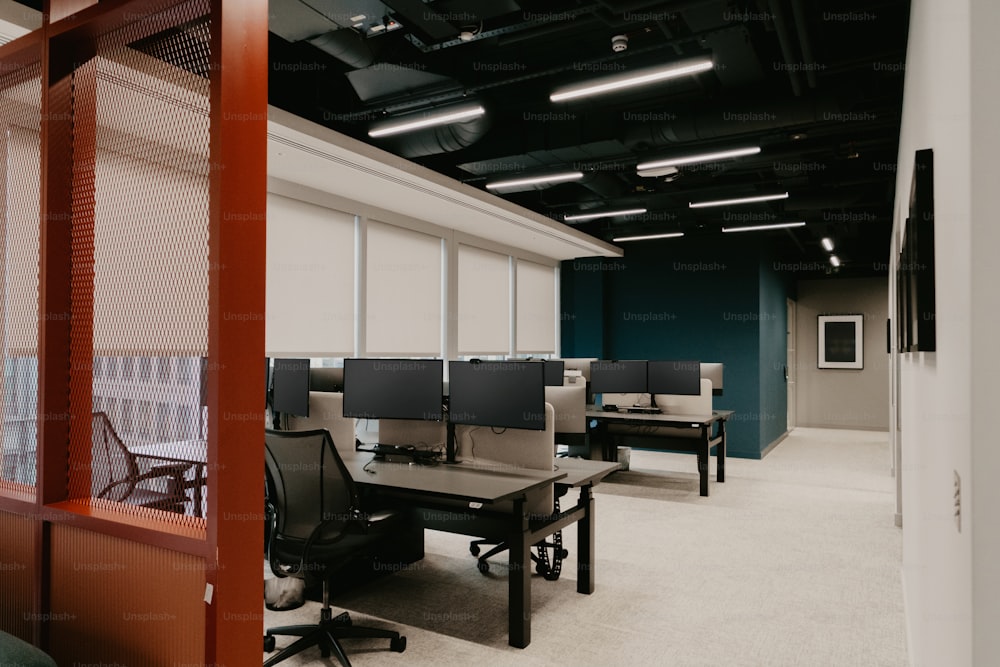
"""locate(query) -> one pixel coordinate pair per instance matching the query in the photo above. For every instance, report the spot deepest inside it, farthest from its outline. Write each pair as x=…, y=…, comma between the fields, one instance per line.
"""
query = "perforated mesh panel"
x=140, y=264
x=20, y=99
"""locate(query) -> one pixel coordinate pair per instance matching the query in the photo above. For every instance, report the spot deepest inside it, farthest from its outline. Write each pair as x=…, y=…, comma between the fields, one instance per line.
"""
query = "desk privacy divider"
x=326, y=410
x=513, y=449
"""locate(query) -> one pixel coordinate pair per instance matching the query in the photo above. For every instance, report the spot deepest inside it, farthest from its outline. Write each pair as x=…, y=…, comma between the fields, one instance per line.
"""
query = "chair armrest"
x=167, y=470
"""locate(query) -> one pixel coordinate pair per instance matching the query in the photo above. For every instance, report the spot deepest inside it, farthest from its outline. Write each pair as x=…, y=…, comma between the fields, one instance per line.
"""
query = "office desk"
x=649, y=425
x=181, y=451
x=445, y=492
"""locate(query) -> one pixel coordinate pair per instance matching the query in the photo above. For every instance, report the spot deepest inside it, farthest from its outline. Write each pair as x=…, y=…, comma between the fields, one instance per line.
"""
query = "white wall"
x=984, y=493
x=951, y=573
x=839, y=398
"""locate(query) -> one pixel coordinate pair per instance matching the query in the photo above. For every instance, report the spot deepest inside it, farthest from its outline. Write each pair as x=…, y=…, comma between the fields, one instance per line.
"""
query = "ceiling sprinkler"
x=619, y=43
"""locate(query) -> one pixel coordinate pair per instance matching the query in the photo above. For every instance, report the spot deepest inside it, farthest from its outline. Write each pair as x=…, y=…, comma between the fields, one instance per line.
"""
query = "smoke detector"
x=619, y=43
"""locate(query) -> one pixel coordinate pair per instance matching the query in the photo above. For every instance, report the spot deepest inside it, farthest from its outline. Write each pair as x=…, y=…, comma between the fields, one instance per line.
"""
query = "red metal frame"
x=238, y=178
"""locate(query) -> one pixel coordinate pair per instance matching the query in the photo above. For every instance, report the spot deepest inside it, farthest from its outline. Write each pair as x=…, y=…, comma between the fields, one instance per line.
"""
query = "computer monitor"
x=267, y=382
x=503, y=394
x=554, y=372
x=674, y=377
x=618, y=377
x=393, y=388
x=290, y=387
x=713, y=371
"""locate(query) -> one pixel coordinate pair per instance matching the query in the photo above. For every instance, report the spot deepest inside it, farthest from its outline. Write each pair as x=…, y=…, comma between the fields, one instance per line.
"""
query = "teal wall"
x=689, y=299
x=773, y=332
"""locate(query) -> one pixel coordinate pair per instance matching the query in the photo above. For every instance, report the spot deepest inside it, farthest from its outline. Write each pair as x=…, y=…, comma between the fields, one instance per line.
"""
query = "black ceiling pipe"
x=785, y=42
x=799, y=14
x=721, y=122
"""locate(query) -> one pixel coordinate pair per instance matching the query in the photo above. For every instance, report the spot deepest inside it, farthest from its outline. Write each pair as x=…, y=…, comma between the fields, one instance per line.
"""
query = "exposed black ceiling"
x=818, y=86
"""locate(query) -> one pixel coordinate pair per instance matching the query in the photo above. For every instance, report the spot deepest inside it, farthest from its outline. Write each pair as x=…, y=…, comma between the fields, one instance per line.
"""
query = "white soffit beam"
x=307, y=154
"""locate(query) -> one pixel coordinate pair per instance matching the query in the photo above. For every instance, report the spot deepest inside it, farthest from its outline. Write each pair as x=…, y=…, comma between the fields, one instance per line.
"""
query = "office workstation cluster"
x=488, y=448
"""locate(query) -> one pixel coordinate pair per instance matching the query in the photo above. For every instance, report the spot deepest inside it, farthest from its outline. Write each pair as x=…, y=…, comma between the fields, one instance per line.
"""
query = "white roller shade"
x=19, y=244
x=310, y=280
x=150, y=258
x=403, y=292
x=483, y=301
x=536, y=308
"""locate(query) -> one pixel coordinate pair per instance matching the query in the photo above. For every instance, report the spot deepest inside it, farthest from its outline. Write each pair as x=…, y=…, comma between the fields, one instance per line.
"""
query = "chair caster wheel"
x=541, y=569
x=483, y=566
x=398, y=644
x=474, y=549
x=563, y=553
x=269, y=643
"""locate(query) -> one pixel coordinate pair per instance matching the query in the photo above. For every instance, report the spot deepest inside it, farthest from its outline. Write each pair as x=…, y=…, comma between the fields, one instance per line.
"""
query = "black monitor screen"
x=675, y=377
x=505, y=394
x=554, y=372
x=267, y=381
x=393, y=388
x=618, y=377
x=290, y=387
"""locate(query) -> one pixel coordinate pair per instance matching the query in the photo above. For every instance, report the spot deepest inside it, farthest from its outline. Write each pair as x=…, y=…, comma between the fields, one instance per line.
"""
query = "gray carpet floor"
x=794, y=561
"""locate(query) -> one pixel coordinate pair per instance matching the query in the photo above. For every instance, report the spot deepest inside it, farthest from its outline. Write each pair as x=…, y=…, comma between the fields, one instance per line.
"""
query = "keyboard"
x=402, y=453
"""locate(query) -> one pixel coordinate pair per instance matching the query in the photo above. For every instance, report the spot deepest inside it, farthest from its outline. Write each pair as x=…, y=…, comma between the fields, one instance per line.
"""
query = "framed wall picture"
x=840, y=341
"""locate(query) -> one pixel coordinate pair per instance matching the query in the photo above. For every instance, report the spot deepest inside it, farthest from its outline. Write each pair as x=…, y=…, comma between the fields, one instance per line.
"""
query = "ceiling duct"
x=294, y=21
x=346, y=45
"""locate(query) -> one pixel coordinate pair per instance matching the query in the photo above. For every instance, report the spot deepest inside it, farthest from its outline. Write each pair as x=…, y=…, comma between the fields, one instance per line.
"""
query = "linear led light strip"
x=640, y=78
x=605, y=214
x=756, y=228
x=535, y=180
x=647, y=237
x=744, y=200
x=443, y=118
x=695, y=159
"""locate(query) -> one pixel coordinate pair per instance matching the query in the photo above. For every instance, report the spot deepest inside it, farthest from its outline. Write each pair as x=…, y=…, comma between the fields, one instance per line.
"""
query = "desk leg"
x=519, y=582
x=720, y=453
x=585, y=544
x=199, y=482
x=703, y=458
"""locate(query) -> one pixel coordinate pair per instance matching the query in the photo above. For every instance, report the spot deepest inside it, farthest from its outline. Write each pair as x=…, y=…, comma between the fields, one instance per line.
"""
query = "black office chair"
x=317, y=528
x=547, y=556
x=116, y=474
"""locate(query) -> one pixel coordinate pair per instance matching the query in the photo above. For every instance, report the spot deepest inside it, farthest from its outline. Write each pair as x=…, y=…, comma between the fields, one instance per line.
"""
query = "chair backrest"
x=113, y=468
x=308, y=482
x=570, y=405
x=326, y=411
x=513, y=448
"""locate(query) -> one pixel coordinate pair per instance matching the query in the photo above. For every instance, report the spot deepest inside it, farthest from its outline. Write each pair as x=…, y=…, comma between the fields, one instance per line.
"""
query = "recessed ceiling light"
x=695, y=159
x=604, y=214
x=834, y=260
x=418, y=121
x=827, y=243
x=743, y=200
x=757, y=228
x=359, y=17
x=646, y=237
x=638, y=78
x=535, y=180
